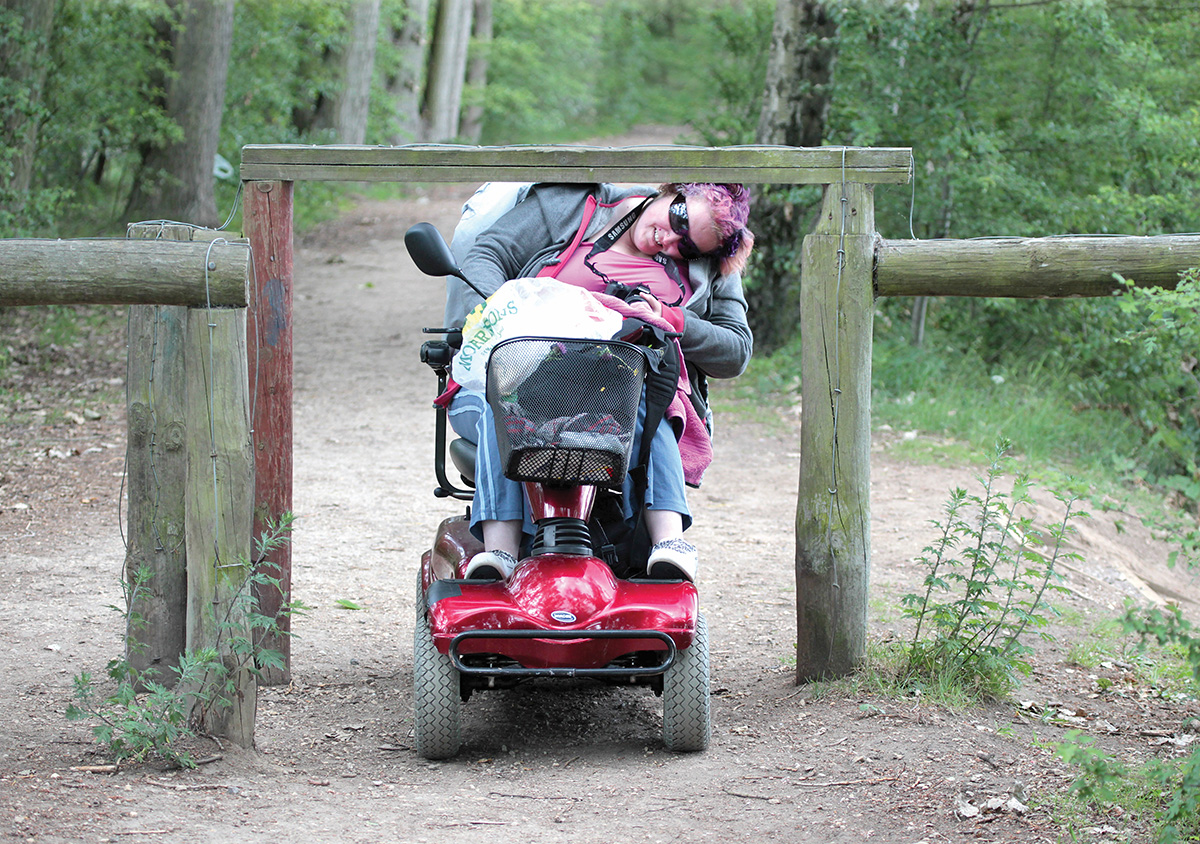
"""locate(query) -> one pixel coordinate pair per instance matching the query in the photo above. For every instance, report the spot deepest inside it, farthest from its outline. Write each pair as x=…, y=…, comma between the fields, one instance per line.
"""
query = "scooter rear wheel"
x=437, y=697
x=687, y=716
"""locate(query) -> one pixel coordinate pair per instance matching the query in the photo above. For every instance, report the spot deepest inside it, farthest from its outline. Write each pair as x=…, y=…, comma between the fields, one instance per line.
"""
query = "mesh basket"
x=565, y=409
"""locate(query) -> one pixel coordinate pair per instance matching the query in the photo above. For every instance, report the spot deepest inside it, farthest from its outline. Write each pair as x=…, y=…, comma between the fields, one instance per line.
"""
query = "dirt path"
x=540, y=763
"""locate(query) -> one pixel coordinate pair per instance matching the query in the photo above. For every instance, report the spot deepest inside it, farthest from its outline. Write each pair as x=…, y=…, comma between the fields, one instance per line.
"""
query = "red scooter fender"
x=561, y=594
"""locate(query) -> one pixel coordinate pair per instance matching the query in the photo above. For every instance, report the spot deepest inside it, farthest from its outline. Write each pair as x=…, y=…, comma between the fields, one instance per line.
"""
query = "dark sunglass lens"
x=677, y=216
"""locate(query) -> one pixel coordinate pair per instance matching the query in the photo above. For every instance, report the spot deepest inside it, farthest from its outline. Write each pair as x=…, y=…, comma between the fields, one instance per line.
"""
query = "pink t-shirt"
x=633, y=270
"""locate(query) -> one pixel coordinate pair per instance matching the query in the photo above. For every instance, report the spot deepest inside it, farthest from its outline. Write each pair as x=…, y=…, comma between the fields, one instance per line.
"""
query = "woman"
x=686, y=245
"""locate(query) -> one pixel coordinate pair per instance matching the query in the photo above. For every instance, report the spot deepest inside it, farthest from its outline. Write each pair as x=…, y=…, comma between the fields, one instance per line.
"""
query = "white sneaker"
x=491, y=565
x=673, y=559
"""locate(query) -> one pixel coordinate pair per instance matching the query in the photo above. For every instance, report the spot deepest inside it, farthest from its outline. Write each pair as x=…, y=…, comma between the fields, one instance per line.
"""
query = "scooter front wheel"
x=437, y=697
x=687, y=716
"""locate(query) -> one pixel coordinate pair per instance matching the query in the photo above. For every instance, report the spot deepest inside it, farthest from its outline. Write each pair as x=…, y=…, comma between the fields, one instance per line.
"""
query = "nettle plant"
x=989, y=575
x=142, y=718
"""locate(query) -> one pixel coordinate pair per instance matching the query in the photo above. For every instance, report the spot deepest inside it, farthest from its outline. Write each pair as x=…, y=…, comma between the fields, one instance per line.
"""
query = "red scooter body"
x=554, y=592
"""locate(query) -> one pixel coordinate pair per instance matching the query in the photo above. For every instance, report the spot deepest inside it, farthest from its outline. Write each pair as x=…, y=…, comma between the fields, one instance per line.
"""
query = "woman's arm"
x=720, y=343
x=545, y=220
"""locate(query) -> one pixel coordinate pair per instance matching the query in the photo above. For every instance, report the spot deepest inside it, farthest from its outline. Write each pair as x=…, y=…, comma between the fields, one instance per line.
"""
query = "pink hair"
x=730, y=204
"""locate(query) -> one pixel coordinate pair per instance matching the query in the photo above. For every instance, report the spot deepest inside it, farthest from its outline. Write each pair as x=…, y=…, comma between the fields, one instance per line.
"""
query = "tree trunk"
x=799, y=74
x=477, y=70
x=177, y=178
x=447, y=70
x=406, y=82
x=795, y=106
x=24, y=63
x=345, y=112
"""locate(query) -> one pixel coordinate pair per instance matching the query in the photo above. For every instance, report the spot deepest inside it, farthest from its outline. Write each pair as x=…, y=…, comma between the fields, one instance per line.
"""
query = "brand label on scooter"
x=563, y=617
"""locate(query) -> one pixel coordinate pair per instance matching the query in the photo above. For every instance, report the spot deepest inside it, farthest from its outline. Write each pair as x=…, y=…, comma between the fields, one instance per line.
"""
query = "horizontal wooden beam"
x=1031, y=268
x=643, y=164
x=123, y=272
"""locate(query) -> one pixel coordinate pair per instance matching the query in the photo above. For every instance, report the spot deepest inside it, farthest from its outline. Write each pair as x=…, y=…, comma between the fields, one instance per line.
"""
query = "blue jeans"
x=497, y=497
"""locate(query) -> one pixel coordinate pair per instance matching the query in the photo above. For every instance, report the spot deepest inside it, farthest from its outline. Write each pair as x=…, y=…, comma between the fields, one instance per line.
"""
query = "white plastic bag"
x=528, y=307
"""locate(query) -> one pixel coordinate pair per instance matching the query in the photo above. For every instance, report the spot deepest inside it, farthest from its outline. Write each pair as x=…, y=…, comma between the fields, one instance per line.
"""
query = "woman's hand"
x=652, y=304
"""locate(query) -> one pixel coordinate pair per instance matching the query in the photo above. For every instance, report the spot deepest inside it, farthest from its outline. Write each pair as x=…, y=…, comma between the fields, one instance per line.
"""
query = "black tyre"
x=687, y=717
x=437, y=698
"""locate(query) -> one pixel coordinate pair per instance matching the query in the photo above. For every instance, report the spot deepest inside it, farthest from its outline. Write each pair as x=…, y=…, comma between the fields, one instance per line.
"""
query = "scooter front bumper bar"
x=557, y=671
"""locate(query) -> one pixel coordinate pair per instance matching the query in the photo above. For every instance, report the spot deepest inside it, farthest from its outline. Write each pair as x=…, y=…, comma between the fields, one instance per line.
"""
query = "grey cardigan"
x=716, y=338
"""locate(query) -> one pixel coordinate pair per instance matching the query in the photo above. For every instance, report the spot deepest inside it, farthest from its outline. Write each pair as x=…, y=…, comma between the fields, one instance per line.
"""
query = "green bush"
x=988, y=575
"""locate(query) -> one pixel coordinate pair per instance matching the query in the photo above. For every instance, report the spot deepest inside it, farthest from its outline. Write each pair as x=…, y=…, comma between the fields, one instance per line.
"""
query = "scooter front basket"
x=565, y=409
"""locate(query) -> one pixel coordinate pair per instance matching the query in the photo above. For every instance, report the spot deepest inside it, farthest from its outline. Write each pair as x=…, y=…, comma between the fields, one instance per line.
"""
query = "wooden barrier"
x=845, y=264
x=219, y=500
x=268, y=225
x=193, y=463
x=647, y=164
x=1044, y=267
x=833, y=508
x=156, y=477
x=123, y=272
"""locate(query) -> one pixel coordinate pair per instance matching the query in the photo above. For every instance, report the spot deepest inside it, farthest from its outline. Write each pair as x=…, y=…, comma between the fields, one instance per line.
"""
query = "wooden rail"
x=1031, y=268
x=647, y=164
x=123, y=272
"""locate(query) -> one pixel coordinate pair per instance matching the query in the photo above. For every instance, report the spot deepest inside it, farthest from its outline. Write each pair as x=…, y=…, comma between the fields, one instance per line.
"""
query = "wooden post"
x=219, y=501
x=268, y=227
x=156, y=473
x=833, y=512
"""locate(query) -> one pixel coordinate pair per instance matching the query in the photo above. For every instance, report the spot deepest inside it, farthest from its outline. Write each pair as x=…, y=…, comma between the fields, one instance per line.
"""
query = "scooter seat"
x=462, y=455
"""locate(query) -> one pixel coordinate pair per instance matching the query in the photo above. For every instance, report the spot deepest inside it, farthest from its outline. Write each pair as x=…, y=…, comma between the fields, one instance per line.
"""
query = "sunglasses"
x=677, y=216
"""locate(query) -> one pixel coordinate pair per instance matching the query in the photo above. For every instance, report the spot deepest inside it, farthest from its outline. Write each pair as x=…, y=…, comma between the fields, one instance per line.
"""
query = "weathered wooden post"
x=833, y=513
x=267, y=221
x=219, y=504
x=156, y=458
x=156, y=474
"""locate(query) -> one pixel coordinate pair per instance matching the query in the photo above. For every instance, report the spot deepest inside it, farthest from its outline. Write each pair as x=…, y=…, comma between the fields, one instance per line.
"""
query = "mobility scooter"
x=565, y=411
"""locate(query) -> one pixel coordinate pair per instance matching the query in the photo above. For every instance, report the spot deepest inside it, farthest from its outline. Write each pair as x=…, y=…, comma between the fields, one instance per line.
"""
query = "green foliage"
x=1108, y=386
x=988, y=573
x=561, y=70
x=141, y=718
x=1163, y=331
x=1027, y=119
x=1174, y=784
x=106, y=102
x=735, y=73
x=544, y=89
x=278, y=72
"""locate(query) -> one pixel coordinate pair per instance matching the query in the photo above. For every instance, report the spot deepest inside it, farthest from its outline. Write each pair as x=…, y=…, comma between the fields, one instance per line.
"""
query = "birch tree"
x=405, y=80
x=795, y=108
x=477, y=70
x=442, y=103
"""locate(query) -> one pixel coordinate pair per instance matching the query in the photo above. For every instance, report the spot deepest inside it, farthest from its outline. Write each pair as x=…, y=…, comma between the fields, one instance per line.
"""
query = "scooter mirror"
x=430, y=252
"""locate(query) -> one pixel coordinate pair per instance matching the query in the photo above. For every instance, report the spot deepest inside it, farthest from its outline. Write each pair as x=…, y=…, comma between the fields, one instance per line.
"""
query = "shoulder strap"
x=589, y=210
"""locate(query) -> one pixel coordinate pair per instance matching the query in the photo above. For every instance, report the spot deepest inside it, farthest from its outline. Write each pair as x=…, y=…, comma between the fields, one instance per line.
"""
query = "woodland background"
x=1045, y=117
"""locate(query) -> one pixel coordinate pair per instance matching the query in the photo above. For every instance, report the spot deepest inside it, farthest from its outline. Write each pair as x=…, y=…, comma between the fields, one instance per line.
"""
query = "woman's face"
x=693, y=223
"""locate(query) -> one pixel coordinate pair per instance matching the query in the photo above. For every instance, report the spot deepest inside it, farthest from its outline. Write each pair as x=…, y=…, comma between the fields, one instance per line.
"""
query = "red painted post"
x=267, y=224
